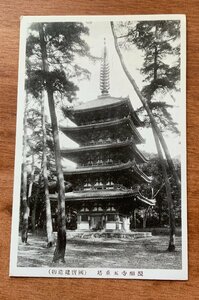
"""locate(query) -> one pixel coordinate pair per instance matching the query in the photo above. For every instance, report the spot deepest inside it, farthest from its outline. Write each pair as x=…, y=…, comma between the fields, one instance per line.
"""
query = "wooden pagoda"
x=107, y=176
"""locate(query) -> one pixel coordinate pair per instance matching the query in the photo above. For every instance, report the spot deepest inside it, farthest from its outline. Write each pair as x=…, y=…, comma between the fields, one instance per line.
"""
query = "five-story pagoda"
x=106, y=179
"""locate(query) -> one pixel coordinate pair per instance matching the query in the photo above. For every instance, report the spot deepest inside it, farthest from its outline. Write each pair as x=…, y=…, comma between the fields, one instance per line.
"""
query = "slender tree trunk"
x=33, y=214
x=61, y=234
x=31, y=179
x=145, y=105
x=25, y=205
x=31, y=185
x=49, y=228
x=158, y=137
x=168, y=195
x=163, y=167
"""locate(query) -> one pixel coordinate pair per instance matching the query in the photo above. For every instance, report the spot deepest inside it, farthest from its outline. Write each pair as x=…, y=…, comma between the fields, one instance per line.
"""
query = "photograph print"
x=100, y=165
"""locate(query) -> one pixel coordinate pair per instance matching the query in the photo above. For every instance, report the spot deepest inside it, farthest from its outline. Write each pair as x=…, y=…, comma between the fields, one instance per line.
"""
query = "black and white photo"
x=100, y=165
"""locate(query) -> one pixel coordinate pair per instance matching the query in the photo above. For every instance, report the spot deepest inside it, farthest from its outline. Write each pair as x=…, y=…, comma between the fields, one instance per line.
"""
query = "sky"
x=119, y=84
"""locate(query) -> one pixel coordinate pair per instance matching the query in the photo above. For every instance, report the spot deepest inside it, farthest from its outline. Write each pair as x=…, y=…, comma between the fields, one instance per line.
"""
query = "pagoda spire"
x=104, y=73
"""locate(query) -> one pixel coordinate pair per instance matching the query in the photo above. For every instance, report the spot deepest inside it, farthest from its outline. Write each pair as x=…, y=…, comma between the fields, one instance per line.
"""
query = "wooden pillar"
x=134, y=218
x=89, y=221
x=92, y=222
x=125, y=224
x=105, y=221
x=117, y=222
x=144, y=218
x=78, y=221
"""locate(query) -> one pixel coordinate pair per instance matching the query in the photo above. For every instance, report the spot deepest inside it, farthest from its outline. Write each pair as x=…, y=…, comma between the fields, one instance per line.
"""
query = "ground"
x=145, y=253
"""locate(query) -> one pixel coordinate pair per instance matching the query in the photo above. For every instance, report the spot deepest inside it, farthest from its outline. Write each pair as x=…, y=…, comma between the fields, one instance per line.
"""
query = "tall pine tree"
x=53, y=46
x=146, y=36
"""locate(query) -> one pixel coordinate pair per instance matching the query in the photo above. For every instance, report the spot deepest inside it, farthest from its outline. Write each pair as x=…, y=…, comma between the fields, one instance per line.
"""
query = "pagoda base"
x=107, y=234
x=108, y=226
x=99, y=222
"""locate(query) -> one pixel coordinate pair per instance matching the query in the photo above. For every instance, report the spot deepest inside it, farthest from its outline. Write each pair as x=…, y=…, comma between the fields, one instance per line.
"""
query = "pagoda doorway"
x=97, y=222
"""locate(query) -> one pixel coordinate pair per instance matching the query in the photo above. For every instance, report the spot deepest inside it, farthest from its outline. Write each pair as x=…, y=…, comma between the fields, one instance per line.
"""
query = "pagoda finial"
x=104, y=72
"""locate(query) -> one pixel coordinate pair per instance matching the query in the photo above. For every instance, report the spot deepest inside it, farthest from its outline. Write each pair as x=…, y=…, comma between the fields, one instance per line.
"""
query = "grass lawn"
x=145, y=253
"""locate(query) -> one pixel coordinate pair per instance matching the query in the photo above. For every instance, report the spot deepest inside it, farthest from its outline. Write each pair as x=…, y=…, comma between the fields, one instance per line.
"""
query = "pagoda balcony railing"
x=96, y=144
x=101, y=163
x=97, y=187
x=102, y=120
x=107, y=141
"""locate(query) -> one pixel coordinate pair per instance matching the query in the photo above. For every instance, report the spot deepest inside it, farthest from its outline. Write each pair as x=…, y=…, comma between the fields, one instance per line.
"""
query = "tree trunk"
x=31, y=179
x=168, y=195
x=26, y=210
x=61, y=234
x=33, y=215
x=145, y=105
x=163, y=166
x=49, y=228
x=31, y=183
x=158, y=137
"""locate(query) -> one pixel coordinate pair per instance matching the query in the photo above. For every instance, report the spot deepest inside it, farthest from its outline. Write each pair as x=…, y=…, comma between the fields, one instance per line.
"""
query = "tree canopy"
x=63, y=42
x=159, y=43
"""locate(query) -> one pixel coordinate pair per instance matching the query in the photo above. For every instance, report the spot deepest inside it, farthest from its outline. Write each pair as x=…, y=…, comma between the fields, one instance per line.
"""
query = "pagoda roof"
x=129, y=166
x=100, y=103
x=71, y=154
x=103, y=102
x=75, y=132
x=132, y=195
